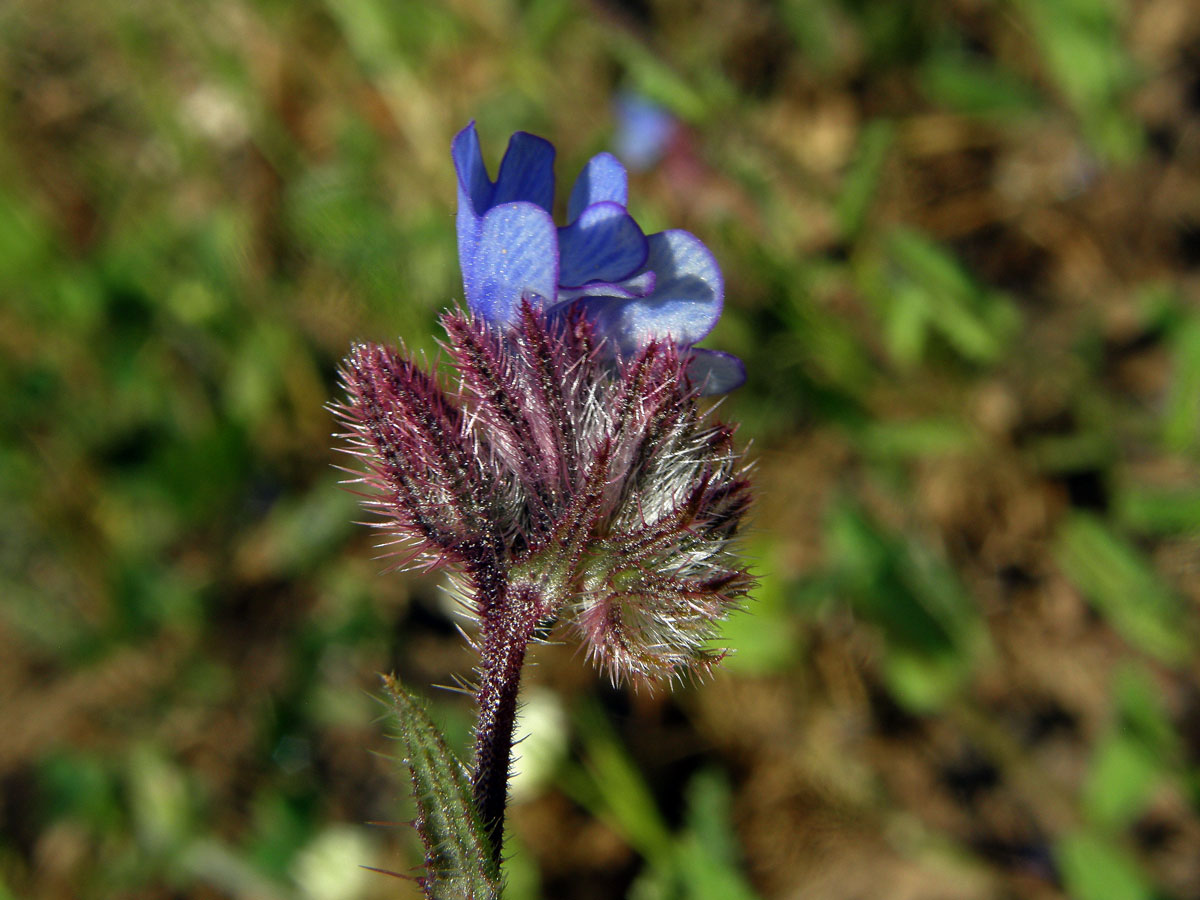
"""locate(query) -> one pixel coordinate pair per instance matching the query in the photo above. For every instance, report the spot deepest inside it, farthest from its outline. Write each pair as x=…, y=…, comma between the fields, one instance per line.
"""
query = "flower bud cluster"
x=561, y=481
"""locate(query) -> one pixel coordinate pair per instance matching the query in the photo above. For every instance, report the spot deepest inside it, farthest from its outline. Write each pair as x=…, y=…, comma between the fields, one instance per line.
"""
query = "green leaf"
x=977, y=88
x=1181, y=423
x=1094, y=869
x=923, y=683
x=1135, y=757
x=1159, y=511
x=1081, y=48
x=764, y=638
x=610, y=786
x=458, y=855
x=976, y=321
x=657, y=80
x=1143, y=711
x=861, y=183
x=708, y=855
x=1124, y=589
x=916, y=601
x=929, y=623
x=1119, y=781
x=920, y=290
x=913, y=439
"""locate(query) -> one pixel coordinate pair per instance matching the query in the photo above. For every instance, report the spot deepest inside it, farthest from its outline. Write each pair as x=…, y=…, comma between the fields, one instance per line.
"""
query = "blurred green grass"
x=961, y=268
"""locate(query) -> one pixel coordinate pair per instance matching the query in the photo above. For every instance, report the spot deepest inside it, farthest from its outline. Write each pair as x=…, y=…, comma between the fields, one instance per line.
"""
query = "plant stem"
x=506, y=635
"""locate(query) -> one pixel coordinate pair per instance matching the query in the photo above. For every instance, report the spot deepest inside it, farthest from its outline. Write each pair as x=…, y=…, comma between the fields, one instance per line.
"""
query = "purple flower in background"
x=644, y=129
x=634, y=288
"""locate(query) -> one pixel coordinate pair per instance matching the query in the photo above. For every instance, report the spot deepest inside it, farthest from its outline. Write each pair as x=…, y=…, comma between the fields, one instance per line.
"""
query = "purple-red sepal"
x=588, y=484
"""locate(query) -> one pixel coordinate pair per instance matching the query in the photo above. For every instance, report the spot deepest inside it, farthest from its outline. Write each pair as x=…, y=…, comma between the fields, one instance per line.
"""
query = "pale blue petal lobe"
x=517, y=257
x=713, y=372
x=467, y=226
x=474, y=197
x=602, y=179
x=684, y=306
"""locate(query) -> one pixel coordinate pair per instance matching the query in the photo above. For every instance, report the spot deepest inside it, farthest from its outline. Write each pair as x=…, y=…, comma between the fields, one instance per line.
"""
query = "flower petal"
x=603, y=244
x=644, y=130
x=473, y=181
x=684, y=306
x=603, y=178
x=640, y=285
x=516, y=257
x=714, y=372
x=526, y=172
x=474, y=197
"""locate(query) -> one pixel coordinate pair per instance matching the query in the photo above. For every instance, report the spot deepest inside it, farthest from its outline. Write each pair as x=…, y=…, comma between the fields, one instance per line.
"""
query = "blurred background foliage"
x=962, y=249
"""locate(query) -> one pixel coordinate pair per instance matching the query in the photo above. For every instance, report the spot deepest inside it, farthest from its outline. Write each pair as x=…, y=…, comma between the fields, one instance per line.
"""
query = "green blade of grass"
x=1123, y=588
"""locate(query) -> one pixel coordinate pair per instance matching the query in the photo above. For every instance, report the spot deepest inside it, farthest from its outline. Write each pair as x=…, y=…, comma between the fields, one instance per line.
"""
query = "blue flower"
x=635, y=288
x=644, y=130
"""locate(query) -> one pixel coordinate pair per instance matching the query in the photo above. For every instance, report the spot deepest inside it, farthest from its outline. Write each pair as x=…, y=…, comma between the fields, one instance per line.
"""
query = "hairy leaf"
x=458, y=859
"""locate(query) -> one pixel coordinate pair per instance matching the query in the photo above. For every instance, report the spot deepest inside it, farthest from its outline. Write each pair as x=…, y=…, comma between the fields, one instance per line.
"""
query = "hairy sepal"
x=459, y=863
x=423, y=465
x=566, y=471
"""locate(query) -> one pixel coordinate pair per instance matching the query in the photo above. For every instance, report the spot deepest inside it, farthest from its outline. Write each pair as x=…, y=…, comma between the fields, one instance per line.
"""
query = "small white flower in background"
x=541, y=743
x=330, y=867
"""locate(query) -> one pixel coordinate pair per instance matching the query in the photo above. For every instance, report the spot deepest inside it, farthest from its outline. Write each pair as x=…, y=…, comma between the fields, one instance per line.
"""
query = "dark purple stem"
x=507, y=630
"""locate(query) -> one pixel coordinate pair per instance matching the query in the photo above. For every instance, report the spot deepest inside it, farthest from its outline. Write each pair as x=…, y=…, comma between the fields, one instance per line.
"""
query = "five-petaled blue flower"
x=634, y=287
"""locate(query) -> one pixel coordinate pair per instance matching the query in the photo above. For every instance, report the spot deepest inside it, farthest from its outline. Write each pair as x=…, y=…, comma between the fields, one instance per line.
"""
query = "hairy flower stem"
x=507, y=630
